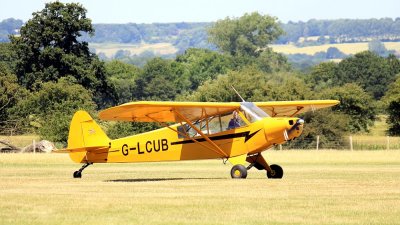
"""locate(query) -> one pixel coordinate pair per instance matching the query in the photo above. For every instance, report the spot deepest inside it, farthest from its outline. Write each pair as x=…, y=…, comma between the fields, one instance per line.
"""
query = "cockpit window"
x=212, y=125
x=252, y=112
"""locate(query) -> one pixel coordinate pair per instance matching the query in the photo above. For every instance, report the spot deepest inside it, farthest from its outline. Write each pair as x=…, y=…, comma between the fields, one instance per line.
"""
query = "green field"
x=319, y=187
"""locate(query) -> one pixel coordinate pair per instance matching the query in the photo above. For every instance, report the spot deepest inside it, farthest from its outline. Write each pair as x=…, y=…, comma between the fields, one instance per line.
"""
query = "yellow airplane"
x=235, y=131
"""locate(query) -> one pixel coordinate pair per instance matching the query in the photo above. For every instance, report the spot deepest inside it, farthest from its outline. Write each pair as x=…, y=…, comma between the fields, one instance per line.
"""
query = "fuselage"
x=167, y=144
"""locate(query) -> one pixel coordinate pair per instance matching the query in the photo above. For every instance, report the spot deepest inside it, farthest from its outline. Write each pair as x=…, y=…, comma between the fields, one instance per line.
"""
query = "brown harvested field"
x=109, y=49
x=319, y=187
x=19, y=140
x=347, y=48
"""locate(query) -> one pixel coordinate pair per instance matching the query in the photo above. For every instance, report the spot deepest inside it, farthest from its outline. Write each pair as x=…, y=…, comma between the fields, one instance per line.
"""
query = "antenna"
x=238, y=94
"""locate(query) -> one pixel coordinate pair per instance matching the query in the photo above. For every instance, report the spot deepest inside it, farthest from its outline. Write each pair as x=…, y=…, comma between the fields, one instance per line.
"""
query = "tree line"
x=342, y=30
x=185, y=35
x=48, y=72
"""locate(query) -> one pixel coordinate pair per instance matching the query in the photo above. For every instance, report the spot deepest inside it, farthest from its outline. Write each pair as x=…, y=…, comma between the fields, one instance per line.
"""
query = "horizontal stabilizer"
x=82, y=149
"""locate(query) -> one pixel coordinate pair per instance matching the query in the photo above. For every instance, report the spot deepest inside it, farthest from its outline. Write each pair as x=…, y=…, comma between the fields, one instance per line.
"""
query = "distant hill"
x=181, y=35
x=341, y=31
x=177, y=37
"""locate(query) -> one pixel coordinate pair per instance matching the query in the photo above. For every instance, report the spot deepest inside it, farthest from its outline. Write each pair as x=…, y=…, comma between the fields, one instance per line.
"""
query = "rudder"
x=84, y=132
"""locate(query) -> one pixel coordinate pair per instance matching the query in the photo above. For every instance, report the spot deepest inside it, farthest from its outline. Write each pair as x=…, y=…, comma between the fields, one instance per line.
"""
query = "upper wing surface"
x=292, y=108
x=150, y=111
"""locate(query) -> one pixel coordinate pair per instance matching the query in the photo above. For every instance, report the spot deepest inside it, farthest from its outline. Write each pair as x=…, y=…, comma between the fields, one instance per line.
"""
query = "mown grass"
x=319, y=187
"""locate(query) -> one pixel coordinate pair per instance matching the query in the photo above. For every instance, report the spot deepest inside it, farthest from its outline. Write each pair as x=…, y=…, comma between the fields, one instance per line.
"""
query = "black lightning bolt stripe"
x=246, y=134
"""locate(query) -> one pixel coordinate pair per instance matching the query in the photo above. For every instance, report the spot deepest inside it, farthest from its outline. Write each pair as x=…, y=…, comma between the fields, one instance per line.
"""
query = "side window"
x=182, y=130
x=185, y=130
x=215, y=124
x=250, y=118
x=212, y=125
x=233, y=120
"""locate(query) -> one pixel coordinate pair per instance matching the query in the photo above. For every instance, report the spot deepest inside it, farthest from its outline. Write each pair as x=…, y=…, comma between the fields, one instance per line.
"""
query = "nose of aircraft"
x=279, y=130
x=294, y=128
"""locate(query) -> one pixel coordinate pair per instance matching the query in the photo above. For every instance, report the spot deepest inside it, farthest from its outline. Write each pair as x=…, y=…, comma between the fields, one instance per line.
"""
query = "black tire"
x=276, y=173
x=77, y=174
x=238, y=172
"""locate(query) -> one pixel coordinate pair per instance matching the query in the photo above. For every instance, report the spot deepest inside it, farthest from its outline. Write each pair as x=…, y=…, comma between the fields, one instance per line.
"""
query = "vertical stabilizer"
x=85, y=132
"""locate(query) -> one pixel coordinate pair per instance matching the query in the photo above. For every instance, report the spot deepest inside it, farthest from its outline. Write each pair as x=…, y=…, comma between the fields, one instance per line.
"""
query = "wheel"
x=276, y=173
x=238, y=171
x=77, y=174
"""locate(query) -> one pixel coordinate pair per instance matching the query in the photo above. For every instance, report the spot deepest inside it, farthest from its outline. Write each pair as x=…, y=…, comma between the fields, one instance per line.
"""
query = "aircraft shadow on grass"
x=160, y=179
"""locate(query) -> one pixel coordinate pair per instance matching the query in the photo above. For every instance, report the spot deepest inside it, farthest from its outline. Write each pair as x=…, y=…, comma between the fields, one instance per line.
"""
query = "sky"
x=164, y=11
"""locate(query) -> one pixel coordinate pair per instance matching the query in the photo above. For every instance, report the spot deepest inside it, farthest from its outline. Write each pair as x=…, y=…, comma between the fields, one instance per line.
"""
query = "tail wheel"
x=276, y=172
x=238, y=171
x=77, y=174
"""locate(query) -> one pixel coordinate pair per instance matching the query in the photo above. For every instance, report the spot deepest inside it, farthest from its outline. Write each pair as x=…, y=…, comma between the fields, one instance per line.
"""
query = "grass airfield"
x=319, y=187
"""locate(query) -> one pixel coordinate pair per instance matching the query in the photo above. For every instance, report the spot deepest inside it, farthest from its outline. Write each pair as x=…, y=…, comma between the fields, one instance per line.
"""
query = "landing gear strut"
x=78, y=173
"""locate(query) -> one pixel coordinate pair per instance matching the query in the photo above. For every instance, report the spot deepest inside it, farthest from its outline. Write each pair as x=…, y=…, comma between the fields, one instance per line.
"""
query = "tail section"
x=85, y=133
x=85, y=137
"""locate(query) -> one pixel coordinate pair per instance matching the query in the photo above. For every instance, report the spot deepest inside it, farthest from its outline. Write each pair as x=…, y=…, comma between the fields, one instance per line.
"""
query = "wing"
x=292, y=108
x=166, y=111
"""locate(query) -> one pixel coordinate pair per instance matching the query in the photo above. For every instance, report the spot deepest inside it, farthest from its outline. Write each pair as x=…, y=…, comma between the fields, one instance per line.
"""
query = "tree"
x=392, y=104
x=49, y=48
x=123, y=76
x=7, y=55
x=368, y=70
x=394, y=119
x=248, y=35
x=270, y=61
x=334, y=53
x=161, y=79
x=322, y=76
x=203, y=64
x=378, y=48
x=394, y=64
x=354, y=102
x=253, y=85
x=52, y=107
x=10, y=93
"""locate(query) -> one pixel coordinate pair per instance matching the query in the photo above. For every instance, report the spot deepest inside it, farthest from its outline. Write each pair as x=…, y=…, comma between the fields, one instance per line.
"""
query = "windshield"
x=252, y=111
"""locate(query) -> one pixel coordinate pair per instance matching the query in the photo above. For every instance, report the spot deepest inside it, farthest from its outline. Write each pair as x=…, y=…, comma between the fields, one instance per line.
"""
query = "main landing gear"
x=274, y=171
x=238, y=171
x=78, y=173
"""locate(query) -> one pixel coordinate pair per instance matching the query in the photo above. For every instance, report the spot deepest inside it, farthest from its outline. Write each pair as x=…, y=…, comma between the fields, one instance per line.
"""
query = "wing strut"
x=188, y=136
x=217, y=148
x=298, y=110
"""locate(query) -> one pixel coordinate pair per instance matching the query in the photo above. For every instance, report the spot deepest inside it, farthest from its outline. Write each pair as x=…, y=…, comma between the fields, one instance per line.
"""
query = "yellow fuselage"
x=165, y=144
